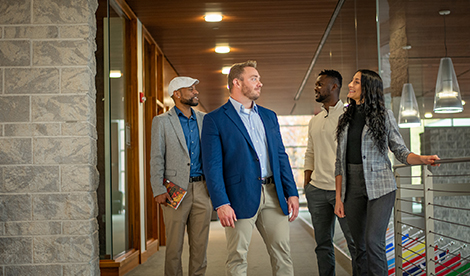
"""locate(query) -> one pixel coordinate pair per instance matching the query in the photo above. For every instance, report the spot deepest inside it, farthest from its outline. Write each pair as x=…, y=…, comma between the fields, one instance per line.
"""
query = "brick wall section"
x=48, y=176
x=450, y=142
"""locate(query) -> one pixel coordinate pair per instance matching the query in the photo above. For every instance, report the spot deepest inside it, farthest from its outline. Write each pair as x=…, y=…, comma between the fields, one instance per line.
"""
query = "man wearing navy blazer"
x=248, y=173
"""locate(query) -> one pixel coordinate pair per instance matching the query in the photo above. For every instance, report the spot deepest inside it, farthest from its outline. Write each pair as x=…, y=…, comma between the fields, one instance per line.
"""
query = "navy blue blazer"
x=231, y=165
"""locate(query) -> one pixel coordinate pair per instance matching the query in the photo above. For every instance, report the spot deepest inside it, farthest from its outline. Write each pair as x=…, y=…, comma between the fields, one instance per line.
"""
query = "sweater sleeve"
x=309, y=160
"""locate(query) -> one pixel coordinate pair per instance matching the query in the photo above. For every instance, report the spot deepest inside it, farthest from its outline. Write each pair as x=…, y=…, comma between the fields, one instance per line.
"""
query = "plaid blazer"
x=377, y=166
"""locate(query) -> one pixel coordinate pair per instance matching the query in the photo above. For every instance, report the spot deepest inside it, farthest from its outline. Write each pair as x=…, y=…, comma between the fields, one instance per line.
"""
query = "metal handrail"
x=428, y=191
x=441, y=161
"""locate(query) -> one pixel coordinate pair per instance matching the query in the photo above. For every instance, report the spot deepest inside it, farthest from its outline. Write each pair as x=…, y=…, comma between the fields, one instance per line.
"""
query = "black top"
x=356, y=125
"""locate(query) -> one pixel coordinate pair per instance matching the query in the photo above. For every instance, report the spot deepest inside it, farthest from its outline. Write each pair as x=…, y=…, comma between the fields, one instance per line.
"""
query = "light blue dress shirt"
x=191, y=134
x=255, y=128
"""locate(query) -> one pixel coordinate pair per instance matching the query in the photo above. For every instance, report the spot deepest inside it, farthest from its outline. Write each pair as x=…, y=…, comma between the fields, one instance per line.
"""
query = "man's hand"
x=227, y=216
x=339, y=209
x=307, y=177
x=162, y=199
x=293, y=205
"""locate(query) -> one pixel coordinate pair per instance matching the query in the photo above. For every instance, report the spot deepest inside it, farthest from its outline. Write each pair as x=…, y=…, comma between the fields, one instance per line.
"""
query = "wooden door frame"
x=131, y=258
x=150, y=73
x=136, y=254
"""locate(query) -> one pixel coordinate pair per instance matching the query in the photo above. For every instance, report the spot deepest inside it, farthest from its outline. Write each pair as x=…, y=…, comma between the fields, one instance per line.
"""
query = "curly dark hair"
x=374, y=108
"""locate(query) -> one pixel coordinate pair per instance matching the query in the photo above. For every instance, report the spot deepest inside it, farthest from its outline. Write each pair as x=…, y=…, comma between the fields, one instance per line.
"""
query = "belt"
x=197, y=178
x=267, y=180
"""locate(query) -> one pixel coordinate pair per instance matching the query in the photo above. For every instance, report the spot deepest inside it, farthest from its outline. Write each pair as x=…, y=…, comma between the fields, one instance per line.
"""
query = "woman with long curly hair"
x=365, y=185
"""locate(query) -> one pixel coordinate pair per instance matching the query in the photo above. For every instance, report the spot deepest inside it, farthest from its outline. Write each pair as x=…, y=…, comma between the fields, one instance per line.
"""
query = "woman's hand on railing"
x=415, y=159
x=430, y=160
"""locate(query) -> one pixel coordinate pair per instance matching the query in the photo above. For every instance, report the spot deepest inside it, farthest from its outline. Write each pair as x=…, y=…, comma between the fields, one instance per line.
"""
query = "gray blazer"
x=377, y=167
x=169, y=156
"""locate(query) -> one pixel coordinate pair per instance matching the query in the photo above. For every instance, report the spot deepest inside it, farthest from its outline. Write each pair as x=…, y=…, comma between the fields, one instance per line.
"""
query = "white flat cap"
x=180, y=82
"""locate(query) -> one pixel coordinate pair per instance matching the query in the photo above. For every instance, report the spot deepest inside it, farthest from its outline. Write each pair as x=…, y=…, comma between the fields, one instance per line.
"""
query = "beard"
x=250, y=93
x=321, y=97
x=190, y=102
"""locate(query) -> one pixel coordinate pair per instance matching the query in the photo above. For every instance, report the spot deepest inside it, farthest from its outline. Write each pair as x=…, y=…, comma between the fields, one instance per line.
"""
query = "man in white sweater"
x=319, y=183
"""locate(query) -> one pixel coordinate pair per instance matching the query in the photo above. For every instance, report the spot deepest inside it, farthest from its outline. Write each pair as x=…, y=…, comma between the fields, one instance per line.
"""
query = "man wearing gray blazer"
x=176, y=156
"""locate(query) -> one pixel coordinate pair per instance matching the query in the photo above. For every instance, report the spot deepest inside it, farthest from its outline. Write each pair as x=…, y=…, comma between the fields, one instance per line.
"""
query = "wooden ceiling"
x=283, y=36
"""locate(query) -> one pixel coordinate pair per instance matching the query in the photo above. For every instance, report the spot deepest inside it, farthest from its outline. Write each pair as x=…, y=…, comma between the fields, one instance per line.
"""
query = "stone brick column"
x=450, y=142
x=48, y=176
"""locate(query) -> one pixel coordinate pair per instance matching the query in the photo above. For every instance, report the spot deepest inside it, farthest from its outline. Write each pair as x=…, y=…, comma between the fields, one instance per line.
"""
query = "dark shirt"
x=191, y=134
x=356, y=125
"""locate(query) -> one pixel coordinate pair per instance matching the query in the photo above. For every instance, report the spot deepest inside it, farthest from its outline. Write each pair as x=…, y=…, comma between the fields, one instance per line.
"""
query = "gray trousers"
x=368, y=221
x=321, y=205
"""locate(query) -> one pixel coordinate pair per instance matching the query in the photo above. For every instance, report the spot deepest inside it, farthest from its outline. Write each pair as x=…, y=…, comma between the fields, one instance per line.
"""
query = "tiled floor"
x=302, y=249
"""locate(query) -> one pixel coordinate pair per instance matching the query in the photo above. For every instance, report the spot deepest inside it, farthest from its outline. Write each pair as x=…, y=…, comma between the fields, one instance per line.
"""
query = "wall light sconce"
x=115, y=74
x=409, y=112
x=447, y=98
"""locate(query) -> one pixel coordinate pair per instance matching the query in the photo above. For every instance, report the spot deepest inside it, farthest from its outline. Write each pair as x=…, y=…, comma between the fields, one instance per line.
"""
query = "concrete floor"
x=302, y=250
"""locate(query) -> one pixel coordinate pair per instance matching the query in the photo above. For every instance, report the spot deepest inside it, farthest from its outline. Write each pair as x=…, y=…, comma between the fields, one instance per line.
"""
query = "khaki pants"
x=273, y=226
x=194, y=213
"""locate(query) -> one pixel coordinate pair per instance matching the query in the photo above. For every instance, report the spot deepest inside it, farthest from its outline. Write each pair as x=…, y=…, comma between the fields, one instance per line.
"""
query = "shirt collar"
x=179, y=113
x=240, y=108
x=338, y=105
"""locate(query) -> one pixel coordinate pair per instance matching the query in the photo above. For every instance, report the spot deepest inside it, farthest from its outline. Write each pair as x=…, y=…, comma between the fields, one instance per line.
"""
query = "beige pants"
x=273, y=226
x=194, y=213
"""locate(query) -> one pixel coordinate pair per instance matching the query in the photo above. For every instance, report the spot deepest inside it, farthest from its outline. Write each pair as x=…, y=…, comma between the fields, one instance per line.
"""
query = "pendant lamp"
x=447, y=98
x=409, y=112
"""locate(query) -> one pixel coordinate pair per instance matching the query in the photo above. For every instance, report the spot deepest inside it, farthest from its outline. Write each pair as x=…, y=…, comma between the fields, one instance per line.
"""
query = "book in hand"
x=176, y=193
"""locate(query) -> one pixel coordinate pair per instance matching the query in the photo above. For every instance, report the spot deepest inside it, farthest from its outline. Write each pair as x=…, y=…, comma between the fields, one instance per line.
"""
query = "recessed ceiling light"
x=222, y=49
x=226, y=70
x=428, y=115
x=213, y=17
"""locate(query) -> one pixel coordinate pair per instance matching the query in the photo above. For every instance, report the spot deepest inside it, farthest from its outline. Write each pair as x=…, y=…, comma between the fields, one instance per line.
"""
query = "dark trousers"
x=368, y=221
x=321, y=205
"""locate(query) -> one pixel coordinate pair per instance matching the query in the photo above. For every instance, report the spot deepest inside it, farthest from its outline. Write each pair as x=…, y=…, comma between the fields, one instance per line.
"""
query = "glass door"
x=116, y=135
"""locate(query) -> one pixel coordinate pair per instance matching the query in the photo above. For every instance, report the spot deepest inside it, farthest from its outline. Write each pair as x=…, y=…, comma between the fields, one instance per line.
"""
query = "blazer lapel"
x=364, y=132
x=232, y=114
x=345, y=139
x=175, y=122
x=199, y=119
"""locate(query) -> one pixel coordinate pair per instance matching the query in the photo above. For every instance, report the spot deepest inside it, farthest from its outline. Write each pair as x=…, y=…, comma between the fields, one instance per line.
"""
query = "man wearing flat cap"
x=176, y=156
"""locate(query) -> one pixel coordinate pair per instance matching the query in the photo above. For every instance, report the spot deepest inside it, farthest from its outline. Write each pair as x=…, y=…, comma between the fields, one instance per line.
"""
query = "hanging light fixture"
x=447, y=98
x=409, y=112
